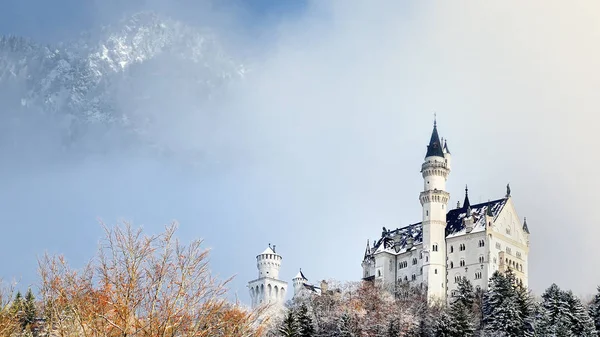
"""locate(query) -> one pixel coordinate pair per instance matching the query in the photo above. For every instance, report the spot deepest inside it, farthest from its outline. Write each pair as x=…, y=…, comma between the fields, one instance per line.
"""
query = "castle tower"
x=434, y=200
x=299, y=281
x=268, y=288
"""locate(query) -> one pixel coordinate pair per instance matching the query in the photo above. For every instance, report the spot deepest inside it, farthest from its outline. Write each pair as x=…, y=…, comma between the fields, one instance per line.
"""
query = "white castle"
x=470, y=241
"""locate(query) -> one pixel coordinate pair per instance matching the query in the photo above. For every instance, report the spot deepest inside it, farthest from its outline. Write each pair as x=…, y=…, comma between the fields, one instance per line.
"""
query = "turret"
x=268, y=263
x=299, y=280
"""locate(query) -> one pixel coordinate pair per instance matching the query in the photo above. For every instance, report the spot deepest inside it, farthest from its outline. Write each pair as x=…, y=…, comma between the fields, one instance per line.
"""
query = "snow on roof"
x=399, y=240
x=269, y=250
x=300, y=276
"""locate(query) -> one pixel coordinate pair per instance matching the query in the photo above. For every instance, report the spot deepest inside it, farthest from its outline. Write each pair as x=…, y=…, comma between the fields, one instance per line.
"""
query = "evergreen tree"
x=525, y=303
x=28, y=310
x=595, y=310
x=289, y=327
x=581, y=322
x=393, y=328
x=16, y=307
x=501, y=311
x=305, y=323
x=461, y=313
x=344, y=328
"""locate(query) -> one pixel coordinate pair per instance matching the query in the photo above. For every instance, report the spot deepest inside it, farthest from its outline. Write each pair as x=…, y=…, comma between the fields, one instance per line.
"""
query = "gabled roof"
x=435, y=146
x=398, y=241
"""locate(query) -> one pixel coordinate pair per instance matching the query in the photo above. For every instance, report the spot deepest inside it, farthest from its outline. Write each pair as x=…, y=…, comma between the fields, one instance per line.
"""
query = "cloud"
x=322, y=144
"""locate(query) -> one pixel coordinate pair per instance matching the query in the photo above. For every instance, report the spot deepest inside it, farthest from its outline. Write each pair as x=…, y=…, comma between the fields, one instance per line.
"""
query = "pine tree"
x=289, y=327
x=461, y=313
x=595, y=310
x=581, y=322
x=305, y=323
x=344, y=328
x=28, y=309
x=393, y=328
x=501, y=312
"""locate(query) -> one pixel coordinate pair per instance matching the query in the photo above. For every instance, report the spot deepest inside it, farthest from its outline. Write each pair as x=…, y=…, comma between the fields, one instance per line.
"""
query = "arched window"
x=451, y=249
x=414, y=277
x=451, y=264
x=462, y=262
x=481, y=259
x=414, y=261
x=379, y=273
x=435, y=247
x=435, y=271
x=456, y=278
x=420, y=255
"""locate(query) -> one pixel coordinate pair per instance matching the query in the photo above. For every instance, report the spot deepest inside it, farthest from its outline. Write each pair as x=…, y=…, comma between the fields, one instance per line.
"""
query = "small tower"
x=299, y=280
x=268, y=288
x=434, y=200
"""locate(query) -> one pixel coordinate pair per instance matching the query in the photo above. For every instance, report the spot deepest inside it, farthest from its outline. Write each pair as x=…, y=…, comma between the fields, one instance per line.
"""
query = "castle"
x=470, y=241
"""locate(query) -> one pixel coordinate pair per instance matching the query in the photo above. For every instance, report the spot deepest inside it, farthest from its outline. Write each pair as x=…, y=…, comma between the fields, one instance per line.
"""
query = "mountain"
x=125, y=84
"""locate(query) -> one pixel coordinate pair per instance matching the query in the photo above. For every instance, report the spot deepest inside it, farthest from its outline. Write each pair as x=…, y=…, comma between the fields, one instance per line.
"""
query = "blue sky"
x=65, y=19
x=322, y=146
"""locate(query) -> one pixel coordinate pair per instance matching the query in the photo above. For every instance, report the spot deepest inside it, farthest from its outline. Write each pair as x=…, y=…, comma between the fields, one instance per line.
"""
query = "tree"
x=564, y=314
x=29, y=312
x=461, y=313
x=8, y=319
x=595, y=310
x=142, y=286
x=344, y=328
x=501, y=311
x=305, y=323
x=289, y=327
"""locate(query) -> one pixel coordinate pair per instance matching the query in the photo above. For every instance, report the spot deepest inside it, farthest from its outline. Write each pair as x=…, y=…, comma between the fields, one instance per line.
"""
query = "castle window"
x=414, y=261
x=477, y=275
x=414, y=277
x=481, y=259
x=508, y=250
x=481, y=243
x=462, y=262
x=420, y=255
x=495, y=260
x=426, y=213
x=451, y=264
x=519, y=255
x=456, y=278
x=435, y=271
x=498, y=246
x=405, y=278
x=421, y=271
x=508, y=230
x=426, y=258
x=379, y=273
x=435, y=247
x=462, y=247
x=451, y=249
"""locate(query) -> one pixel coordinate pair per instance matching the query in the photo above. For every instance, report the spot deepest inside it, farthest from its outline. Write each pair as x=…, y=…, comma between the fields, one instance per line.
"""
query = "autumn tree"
x=140, y=285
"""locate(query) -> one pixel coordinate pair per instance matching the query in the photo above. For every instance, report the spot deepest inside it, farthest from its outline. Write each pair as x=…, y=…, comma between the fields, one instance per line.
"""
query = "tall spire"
x=466, y=203
x=435, y=145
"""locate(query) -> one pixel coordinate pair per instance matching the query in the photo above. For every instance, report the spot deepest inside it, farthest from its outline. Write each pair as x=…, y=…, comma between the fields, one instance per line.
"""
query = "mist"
x=320, y=144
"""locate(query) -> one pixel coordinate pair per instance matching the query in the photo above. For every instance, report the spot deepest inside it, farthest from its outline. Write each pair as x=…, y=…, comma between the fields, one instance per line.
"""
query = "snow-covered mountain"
x=133, y=77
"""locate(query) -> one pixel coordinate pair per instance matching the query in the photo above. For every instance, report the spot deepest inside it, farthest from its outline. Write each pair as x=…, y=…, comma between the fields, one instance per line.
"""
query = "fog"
x=321, y=144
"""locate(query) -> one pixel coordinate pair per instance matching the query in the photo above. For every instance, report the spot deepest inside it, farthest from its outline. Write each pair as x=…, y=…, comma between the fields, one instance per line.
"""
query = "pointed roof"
x=269, y=250
x=367, y=250
x=300, y=275
x=446, y=149
x=435, y=146
x=466, y=203
x=525, y=228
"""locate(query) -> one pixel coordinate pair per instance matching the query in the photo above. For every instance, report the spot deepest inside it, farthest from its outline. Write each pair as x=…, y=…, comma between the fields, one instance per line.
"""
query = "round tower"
x=298, y=282
x=434, y=201
x=268, y=288
x=268, y=263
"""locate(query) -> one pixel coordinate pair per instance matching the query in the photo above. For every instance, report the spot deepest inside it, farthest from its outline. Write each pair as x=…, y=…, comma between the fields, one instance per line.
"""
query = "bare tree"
x=141, y=285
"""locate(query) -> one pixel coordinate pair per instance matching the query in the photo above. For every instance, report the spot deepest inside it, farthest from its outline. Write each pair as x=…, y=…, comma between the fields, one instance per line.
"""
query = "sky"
x=322, y=145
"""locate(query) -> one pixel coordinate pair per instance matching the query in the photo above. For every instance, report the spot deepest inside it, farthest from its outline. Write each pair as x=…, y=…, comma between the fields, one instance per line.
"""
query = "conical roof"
x=300, y=276
x=435, y=146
